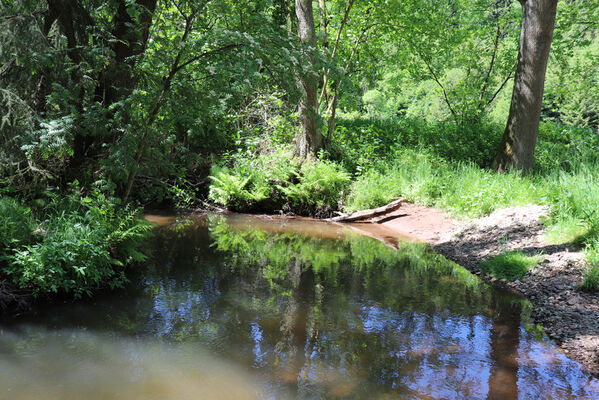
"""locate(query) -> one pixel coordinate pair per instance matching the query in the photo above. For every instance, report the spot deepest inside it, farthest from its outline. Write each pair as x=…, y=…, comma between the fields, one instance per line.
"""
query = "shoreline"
x=569, y=316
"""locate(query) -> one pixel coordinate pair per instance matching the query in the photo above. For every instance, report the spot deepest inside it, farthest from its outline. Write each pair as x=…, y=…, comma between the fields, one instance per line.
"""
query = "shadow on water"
x=279, y=309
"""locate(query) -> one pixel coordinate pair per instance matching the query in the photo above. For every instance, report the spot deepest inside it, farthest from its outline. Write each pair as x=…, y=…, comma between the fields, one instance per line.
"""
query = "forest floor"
x=569, y=316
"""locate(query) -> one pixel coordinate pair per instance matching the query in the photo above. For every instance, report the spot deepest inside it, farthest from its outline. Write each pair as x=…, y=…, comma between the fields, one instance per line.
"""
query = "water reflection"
x=306, y=316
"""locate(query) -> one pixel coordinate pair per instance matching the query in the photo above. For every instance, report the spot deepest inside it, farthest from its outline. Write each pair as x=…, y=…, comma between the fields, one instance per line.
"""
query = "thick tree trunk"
x=520, y=137
x=309, y=140
x=131, y=36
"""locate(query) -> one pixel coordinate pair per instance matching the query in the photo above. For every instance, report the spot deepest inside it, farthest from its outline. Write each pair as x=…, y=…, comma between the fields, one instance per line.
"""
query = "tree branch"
x=206, y=54
x=498, y=90
x=445, y=96
x=335, y=48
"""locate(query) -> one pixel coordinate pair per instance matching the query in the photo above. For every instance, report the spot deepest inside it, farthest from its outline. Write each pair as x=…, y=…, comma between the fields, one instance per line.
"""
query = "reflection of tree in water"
x=330, y=318
x=323, y=323
x=322, y=318
x=505, y=339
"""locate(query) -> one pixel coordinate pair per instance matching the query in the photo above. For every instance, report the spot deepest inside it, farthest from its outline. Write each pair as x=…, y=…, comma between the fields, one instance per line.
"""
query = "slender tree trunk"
x=309, y=140
x=520, y=137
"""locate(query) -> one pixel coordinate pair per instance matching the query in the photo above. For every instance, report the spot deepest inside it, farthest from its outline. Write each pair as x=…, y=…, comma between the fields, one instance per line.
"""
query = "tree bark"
x=517, y=147
x=309, y=139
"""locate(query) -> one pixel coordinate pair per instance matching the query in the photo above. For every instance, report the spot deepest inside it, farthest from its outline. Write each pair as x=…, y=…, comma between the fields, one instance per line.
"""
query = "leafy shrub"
x=16, y=225
x=237, y=192
x=360, y=143
x=86, y=244
x=511, y=266
x=268, y=182
x=321, y=186
x=250, y=182
x=565, y=148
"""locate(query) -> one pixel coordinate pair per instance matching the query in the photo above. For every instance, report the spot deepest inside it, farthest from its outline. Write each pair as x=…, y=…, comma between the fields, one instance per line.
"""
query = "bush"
x=360, y=143
x=321, y=186
x=270, y=182
x=250, y=182
x=86, y=244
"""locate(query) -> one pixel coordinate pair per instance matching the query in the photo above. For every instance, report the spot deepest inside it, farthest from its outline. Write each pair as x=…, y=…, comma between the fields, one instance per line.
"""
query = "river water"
x=246, y=308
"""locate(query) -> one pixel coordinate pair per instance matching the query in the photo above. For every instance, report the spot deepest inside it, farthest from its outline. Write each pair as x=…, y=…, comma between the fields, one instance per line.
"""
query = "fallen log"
x=368, y=214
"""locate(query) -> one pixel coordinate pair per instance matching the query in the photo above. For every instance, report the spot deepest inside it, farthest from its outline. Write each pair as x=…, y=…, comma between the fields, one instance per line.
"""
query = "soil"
x=569, y=316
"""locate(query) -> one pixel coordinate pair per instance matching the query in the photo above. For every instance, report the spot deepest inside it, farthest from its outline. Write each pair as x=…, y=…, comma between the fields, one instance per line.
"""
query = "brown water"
x=243, y=308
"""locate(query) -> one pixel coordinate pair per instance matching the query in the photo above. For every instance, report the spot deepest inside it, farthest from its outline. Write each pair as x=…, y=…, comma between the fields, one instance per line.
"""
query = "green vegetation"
x=84, y=244
x=511, y=266
x=261, y=107
x=267, y=182
x=591, y=277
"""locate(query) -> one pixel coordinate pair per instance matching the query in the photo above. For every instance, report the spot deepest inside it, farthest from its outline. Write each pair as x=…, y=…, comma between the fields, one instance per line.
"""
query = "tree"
x=516, y=150
x=309, y=139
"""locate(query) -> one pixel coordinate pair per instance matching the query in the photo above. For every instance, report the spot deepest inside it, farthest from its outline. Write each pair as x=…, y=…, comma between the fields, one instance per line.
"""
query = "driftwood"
x=369, y=214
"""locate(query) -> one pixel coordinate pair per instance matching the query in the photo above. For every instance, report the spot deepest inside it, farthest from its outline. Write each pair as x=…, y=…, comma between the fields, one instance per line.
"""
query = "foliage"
x=267, y=182
x=85, y=245
x=16, y=225
x=360, y=142
x=511, y=266
x=321, y=186
x=251, y=182
x=591, y=280
x=461, y=188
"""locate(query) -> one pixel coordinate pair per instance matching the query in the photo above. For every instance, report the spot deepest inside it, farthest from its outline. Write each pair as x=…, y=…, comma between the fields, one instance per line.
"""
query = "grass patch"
x=591, y=279
x=571, y=230
x=511, y=266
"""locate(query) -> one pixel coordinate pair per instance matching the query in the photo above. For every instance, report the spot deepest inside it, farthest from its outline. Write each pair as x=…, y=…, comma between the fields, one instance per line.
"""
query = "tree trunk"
x=520, y=137
x=309, y=140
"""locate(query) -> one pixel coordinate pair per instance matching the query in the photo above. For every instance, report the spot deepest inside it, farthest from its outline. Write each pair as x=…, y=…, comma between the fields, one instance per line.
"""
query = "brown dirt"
x=569, y=316
x=424, y=223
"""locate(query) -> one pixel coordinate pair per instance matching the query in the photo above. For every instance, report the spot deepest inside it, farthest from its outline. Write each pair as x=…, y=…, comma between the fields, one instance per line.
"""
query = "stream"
x=239, y=307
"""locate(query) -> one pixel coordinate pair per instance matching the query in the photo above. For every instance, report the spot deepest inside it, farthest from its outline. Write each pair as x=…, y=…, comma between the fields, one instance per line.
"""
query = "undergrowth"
x=71, y=245
x=275, y=181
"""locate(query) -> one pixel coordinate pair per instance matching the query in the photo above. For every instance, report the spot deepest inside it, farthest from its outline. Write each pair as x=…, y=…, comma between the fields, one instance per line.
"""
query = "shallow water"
x=241, y=308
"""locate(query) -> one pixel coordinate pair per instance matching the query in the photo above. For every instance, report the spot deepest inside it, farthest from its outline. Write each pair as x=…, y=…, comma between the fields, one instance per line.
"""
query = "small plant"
x=234, y=191
x=268, y=182
x=250, y=182
x=591, y=279
x=511, y=265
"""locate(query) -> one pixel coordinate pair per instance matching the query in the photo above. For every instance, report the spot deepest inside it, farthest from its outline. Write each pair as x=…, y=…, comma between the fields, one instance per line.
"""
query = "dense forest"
x=277, y=106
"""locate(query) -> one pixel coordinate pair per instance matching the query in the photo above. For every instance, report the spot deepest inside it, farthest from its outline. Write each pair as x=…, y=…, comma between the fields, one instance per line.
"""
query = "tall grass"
x=462, y=188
